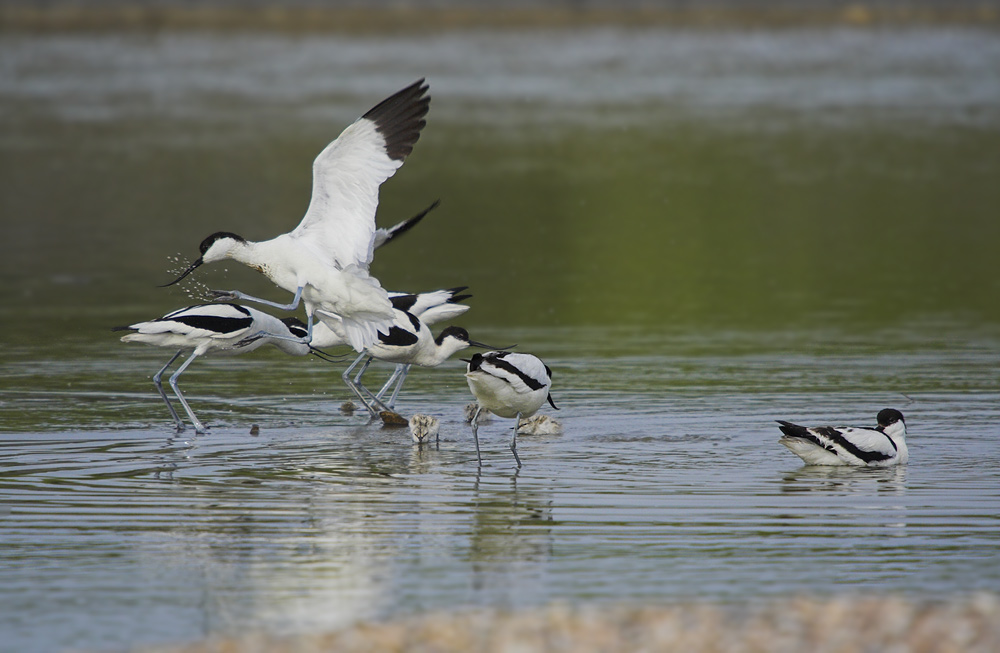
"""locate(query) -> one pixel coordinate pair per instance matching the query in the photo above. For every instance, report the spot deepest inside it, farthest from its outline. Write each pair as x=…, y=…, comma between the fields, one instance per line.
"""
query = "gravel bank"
x=842, y=624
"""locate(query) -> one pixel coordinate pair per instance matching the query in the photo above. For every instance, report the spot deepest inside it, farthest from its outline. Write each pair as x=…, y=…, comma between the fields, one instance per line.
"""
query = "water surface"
x=699, y=231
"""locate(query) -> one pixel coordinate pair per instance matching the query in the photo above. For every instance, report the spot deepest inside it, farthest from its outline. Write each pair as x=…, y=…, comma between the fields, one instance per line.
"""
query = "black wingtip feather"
x=406, y=225
x=399, y=118
x=793, y=430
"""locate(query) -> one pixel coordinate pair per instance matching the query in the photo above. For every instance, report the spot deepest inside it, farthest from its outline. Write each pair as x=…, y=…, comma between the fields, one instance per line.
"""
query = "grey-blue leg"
x=198, y=426
x=224, y=294
x=398, y=377
x=513, y=441
x=234, y=295
x=475, y=433
x=355, y=384
x=401, y=371
x=159, y=388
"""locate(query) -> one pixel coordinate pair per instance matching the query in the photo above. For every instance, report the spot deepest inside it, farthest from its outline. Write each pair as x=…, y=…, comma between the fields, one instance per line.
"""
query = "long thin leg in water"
x=513, y=441
x=399, y=384
x=159, y=388
x=198, y=426
x=355, y=384
x=475, y=433
x=398, y=376
x=374, y=403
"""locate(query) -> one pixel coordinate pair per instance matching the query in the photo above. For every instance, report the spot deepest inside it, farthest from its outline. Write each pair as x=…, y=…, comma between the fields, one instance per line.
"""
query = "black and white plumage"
x=429, y=307
x=508, y=385
x=324, y=261
x=409, y=342
x=213, y=329
x=882, y=446
x=434, y=306
x=384, y=235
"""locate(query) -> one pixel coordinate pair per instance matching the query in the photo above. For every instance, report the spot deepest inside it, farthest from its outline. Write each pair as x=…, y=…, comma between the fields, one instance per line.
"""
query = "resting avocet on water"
x=214, y=328
x=508, y=385
x=409, y=342
x=882, y=446
x=324, y=261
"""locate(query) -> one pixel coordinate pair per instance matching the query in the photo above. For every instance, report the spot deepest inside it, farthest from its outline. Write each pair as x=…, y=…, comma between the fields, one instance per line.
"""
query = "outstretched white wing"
x=339, y=225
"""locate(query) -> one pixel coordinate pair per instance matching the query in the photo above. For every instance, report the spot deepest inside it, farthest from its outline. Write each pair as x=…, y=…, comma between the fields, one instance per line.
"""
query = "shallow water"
x=700, y=232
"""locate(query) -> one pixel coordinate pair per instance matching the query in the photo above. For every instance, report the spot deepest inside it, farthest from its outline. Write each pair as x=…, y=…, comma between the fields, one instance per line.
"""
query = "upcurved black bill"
x=191, y=268
x=485, y=346
x=322, y=355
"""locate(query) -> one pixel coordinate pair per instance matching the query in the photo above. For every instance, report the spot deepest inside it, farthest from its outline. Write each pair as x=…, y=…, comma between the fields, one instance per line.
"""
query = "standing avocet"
x=324, y=261
x=409, y=342
x=214, y=328
x=508, y=385
x=882, y=446
x=430, y=307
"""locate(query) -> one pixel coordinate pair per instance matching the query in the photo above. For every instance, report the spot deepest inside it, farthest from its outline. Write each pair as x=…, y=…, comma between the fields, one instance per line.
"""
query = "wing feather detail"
x=339, y=225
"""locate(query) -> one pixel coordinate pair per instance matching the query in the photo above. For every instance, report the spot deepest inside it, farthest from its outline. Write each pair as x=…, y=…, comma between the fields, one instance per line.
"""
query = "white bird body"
x=348, y=297
x=324, y=260
x=430, y=307
x=408, y=342
x=508, y=385
x=214, y=329
x=882, y=446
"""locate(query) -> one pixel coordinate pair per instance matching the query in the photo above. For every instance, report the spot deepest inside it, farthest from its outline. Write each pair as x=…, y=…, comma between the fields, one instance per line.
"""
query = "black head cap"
x=219, y=235
x=296, y=326
x=455, y=332
x=888, y=416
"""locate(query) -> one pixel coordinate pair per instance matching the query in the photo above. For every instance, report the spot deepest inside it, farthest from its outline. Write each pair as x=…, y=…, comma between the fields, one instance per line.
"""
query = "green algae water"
x=699, y=231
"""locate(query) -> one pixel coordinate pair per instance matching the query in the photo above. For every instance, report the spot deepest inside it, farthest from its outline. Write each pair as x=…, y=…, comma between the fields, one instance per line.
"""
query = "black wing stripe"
x=214, y=323
x=801, y=432
x=838, y=438
x=398, y=337
x=534, y=384
x=403, y=302
x=414, y=322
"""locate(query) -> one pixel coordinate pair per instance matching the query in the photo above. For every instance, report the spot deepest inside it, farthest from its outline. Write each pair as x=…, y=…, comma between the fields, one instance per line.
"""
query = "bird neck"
x=248, y=253
x=256, y=255
x=439, y=353
x=895, y=432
